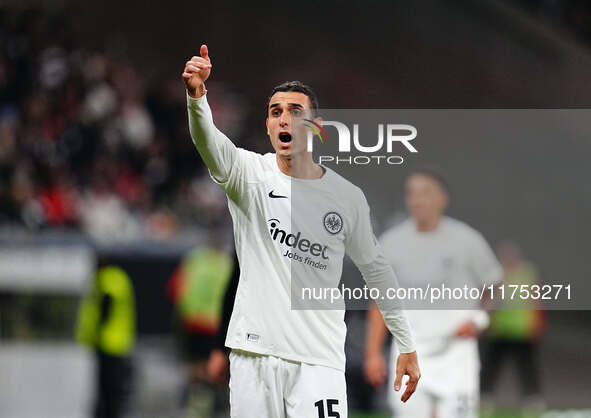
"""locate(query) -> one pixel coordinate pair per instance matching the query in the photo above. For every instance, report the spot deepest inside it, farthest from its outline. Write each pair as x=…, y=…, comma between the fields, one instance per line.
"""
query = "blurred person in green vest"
x=515, y=330
x=106, y=323
x=197, y=289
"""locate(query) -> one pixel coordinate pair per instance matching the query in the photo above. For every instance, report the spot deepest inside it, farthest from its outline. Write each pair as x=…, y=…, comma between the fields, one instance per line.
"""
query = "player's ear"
x=318, y=120
x=267, y=125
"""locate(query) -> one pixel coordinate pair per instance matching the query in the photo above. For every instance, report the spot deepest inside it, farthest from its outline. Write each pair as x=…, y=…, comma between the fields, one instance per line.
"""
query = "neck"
x=302, y=166
x=427, y=225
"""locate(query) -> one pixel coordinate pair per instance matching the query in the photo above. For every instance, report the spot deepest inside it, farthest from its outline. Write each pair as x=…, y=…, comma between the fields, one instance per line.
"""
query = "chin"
x=283, y=152
x=418, y=217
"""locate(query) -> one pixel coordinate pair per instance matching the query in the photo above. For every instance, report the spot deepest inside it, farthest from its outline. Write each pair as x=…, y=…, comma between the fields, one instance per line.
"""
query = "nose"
x=285, y=119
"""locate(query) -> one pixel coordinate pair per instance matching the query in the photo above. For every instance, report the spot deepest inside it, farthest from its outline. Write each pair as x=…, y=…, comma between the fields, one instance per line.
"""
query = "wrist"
x=197, y=92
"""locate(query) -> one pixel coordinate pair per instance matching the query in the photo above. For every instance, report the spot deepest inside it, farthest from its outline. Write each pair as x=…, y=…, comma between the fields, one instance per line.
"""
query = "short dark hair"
x=298, y=87
x=433, y=173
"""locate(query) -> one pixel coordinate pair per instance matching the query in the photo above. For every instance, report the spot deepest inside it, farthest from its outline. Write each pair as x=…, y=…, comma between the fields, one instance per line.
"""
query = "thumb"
x=204, y=52
x=398, y=380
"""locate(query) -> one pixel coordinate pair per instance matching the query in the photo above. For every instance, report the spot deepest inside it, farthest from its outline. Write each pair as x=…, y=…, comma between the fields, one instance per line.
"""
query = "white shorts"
x=425, y=404
x=269, y=387
x=449, y=385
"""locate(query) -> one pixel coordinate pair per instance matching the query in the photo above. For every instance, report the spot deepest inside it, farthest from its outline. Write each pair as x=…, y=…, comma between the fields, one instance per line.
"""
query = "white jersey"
x=453, y=254
x=287, y=231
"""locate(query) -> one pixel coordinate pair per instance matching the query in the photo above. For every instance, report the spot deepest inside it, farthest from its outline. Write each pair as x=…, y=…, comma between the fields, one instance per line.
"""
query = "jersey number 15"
x=329, y=404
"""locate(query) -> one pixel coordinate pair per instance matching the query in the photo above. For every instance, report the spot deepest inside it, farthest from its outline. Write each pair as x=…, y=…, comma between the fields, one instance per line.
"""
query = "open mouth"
x=285, y=137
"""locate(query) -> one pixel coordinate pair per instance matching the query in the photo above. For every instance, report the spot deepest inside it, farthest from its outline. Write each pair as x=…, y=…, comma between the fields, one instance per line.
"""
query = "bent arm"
x=379, y=275
x=366, y=253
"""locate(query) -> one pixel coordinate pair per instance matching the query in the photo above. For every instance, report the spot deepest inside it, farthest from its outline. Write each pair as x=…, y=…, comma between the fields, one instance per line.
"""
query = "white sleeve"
x=363, y=248
x=483, y=263
x=217, y=151
x=228, y=165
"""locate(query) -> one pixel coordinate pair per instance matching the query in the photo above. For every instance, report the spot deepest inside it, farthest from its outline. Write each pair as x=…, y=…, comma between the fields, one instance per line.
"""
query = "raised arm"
x=217, y=151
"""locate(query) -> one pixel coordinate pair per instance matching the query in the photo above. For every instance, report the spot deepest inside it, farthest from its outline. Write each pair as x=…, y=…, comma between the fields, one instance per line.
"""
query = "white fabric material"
x=454, y=254
x=270, y=387
x=455, y=402
x=273, y=265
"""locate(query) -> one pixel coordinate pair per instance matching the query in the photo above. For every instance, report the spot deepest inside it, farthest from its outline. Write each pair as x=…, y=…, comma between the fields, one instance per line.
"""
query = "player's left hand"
x=467, y=330
x=407, y=364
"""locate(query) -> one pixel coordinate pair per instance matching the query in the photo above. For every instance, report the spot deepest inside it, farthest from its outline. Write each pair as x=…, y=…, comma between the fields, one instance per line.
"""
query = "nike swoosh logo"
x=276, y=196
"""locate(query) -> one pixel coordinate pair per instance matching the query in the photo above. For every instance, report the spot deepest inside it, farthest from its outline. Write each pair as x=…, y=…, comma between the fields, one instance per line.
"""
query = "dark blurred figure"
x=106, y=323
x=218, y=365
x=197, y=289
x=515, y=331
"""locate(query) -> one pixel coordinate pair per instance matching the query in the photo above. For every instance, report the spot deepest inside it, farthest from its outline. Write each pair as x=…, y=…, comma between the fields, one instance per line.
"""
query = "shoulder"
x=113, y=277
x=113, y=270
x=254, y=166
x=398, y=231
x=344, y=189
x=268, y=158
x=465, y=232
x=254, y=157
x=459, y=227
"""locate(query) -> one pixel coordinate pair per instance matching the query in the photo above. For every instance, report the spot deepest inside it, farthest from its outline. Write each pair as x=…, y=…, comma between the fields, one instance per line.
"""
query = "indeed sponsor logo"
x=296, y=241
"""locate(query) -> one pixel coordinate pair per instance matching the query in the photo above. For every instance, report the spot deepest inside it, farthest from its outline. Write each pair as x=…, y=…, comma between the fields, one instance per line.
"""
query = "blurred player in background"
x=106, y=323
x=515, y=331
x=290, y=363
x=430, y=248
x=197, y=289
x=218, y=365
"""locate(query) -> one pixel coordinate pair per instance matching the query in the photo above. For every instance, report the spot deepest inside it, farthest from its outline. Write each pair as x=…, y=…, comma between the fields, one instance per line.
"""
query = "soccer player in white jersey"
x=430, y=248
x=290, y=363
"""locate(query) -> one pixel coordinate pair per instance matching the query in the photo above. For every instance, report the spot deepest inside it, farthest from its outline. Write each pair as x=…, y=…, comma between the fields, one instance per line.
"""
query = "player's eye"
x=275, y=112
x=296, y=112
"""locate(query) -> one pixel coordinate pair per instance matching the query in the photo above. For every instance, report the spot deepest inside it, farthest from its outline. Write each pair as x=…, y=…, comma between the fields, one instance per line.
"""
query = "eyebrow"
x=289, y=104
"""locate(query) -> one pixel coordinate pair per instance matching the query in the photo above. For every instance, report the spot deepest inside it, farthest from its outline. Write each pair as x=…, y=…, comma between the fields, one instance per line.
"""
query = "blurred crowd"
x=91, y=142
x=88, y=141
